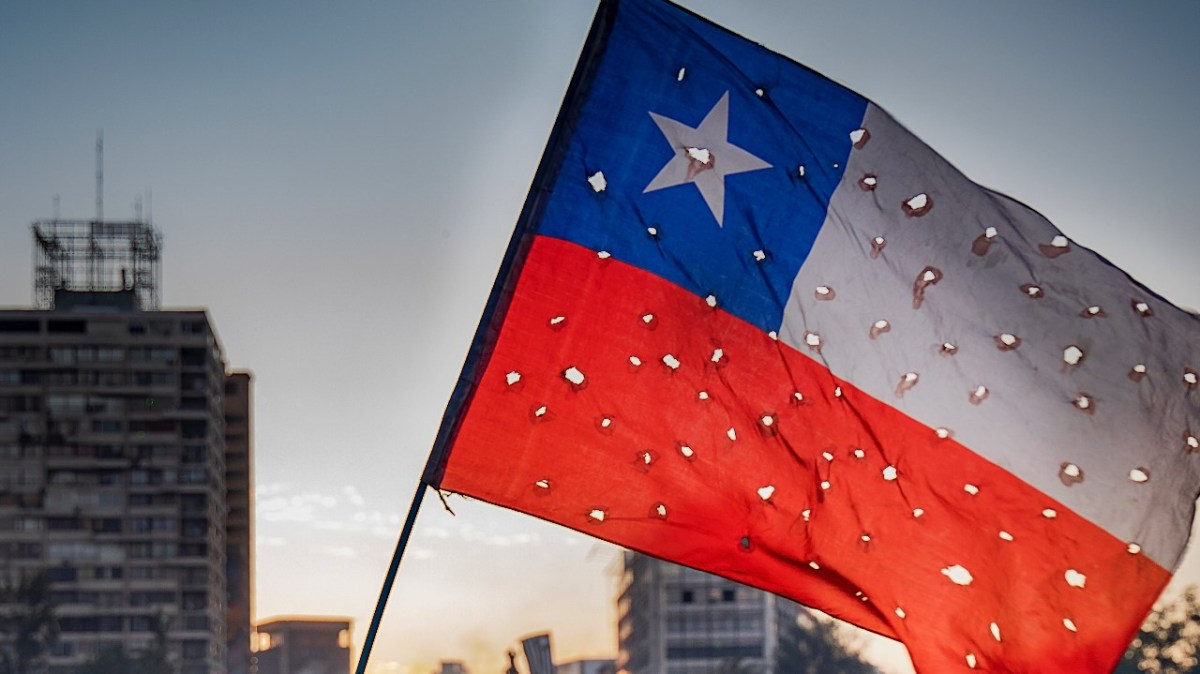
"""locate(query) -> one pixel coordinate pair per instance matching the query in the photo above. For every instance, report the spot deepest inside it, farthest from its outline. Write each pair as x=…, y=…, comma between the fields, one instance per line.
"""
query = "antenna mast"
x=99, y=175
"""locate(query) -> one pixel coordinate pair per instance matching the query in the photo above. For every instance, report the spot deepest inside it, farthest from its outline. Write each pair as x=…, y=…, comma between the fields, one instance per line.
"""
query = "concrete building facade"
x=112, y=476
x=676, y=620
x=239, y=522
x=304, y=646
x=587, y=666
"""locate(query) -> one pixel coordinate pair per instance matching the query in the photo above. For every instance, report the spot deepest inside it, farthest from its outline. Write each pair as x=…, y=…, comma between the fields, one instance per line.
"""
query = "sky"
x=336, y=183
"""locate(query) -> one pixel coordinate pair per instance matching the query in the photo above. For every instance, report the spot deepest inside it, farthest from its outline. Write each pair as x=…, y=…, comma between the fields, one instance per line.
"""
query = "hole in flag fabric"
x=877, y=245
x=1072, y=355
x=918, y=205
x=766, y=424
x=813, y=340
x=983, y=243
x=1057, y=246
x=928, y=277
x=958, y=575
x=907, y=381
x=574, y=377
x=1085, y=403
x=1070, y=474
x=878, y=328
x=598, y=182
x=700, y=157
x=1007, y=342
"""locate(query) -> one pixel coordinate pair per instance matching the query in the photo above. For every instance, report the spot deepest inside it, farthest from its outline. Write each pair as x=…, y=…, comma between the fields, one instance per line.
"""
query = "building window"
x=19, y=326
x=193, y=327
x=73, y=326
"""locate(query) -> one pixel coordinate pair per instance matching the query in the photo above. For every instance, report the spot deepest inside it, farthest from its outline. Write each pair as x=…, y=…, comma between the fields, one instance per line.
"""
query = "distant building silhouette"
x=304, y=646
x=587, y=666
x=113, y=455
x=676, y=620
x=451, y=667
x=239, y=522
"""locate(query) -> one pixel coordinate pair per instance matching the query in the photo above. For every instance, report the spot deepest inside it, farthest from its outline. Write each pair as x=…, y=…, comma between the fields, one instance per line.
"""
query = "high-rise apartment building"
x=112, y=477
x=239, y=522
x=676, y=620
x=113, y=457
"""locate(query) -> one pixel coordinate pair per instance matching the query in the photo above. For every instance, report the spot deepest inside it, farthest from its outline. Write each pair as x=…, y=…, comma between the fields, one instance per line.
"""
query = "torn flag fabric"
x=751, y=324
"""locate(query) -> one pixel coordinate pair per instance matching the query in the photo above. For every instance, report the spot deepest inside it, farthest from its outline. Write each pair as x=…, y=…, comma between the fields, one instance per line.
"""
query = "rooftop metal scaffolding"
x=96, y=256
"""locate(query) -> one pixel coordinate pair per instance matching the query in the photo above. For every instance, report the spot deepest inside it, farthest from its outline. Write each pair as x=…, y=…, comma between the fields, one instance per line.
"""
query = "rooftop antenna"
x=149, y=206
x=99, y=175
x=55, y=200
x=137, y=208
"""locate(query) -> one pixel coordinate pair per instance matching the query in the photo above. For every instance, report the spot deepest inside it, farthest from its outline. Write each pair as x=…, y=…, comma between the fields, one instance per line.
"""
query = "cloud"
x=295, y=507
x=470, y=534
x=339, y=551
x=353, y=496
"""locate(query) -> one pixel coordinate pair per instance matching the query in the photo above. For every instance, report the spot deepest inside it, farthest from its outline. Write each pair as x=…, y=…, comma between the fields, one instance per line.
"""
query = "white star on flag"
x=703, y=157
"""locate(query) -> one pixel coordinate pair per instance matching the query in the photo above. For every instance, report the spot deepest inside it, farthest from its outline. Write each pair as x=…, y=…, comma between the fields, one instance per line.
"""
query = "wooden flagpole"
x=388, y=580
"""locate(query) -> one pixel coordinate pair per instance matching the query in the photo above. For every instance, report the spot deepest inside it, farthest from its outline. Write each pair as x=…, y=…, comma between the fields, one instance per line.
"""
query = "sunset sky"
x=336, y=183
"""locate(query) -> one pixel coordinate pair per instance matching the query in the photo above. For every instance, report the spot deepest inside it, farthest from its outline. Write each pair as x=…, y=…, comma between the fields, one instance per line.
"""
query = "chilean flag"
x=751, y=324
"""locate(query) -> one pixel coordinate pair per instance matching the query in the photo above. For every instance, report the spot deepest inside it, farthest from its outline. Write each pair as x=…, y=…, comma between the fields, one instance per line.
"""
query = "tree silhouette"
x=814, y=646
x=1169, y=640
x=29, y=619
x=153, y=660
